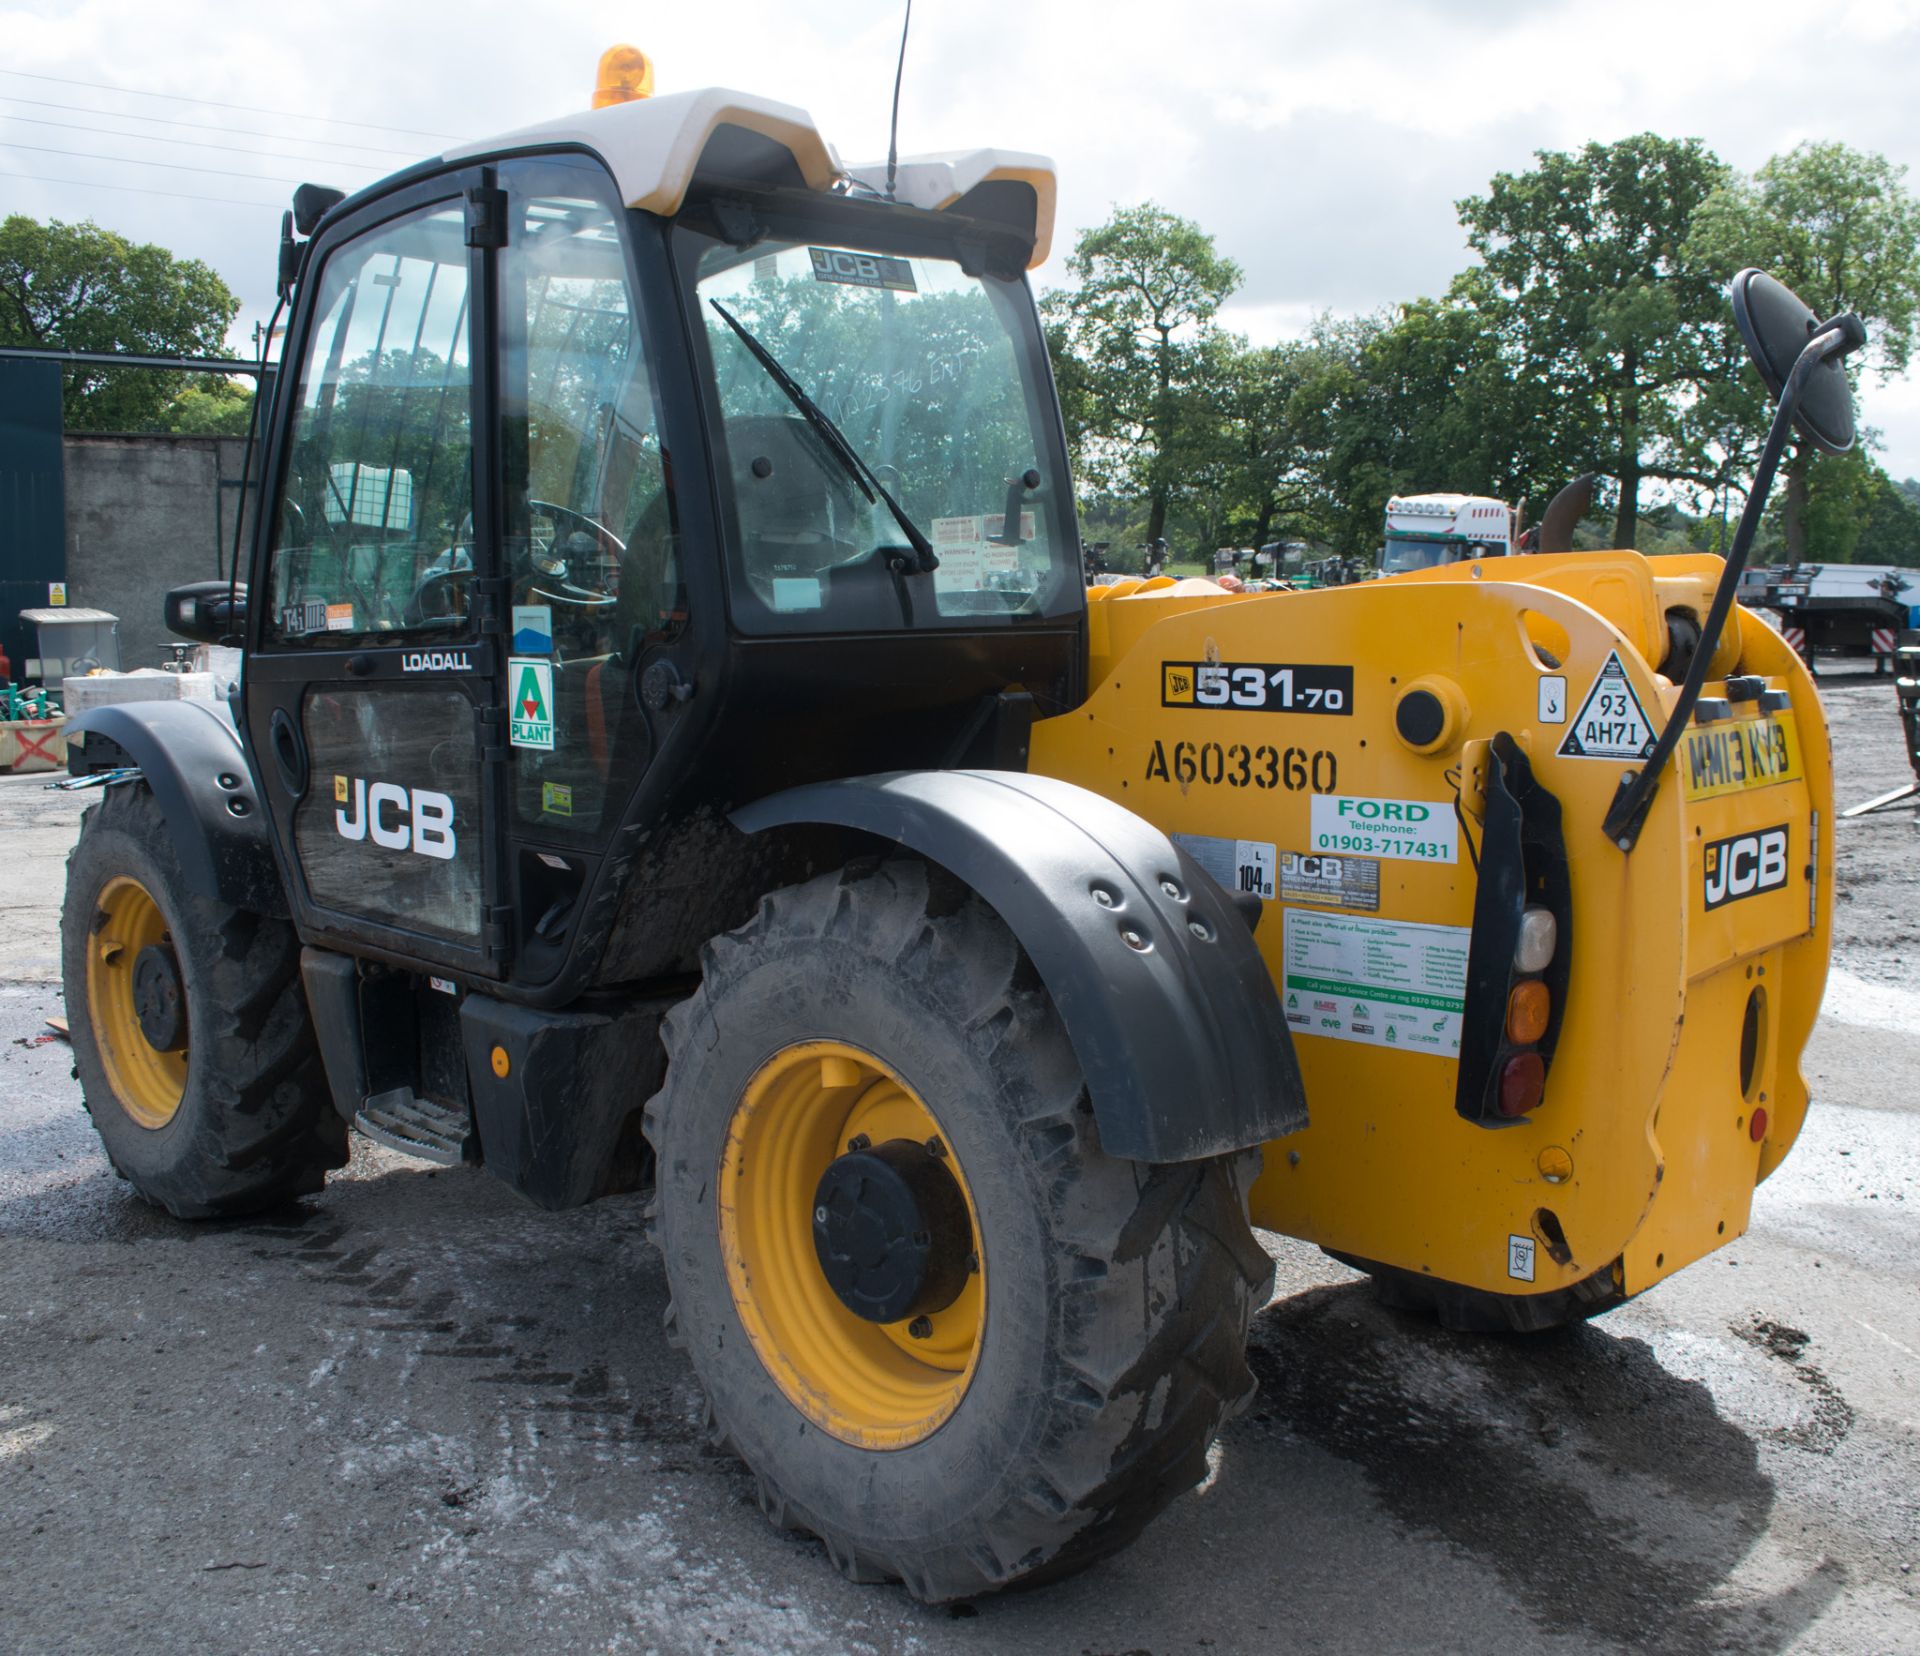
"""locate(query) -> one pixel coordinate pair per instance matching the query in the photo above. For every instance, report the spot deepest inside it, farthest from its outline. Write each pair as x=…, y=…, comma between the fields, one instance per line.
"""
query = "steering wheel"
x=611, y=546
x=437, y=598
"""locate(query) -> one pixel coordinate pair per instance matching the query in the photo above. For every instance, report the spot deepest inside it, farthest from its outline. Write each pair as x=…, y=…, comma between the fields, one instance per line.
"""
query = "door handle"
x=289, y=752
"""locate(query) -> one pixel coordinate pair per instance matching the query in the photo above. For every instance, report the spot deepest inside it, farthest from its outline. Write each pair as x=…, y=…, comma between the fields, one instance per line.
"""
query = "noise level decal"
x=1237, y=864
x=1611, y=723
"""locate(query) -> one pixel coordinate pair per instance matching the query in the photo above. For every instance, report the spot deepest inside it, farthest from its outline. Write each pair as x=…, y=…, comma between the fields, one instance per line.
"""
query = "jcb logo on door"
x=400, y=819
x=1745, y=865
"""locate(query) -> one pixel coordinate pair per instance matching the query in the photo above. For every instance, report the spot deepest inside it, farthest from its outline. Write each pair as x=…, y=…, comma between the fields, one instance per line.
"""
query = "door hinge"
x=490, y=605
x=486, y=216
x=492, y=722
x=498, y=924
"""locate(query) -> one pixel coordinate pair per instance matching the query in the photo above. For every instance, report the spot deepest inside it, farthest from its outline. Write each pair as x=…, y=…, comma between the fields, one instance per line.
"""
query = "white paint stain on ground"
x=1864, y=1004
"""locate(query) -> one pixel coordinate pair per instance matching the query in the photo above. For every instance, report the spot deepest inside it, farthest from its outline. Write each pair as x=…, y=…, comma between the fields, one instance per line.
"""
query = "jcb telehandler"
x=676, y=749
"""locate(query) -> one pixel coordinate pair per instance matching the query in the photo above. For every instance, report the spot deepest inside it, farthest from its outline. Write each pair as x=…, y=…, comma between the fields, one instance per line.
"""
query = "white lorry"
x=1426, y=530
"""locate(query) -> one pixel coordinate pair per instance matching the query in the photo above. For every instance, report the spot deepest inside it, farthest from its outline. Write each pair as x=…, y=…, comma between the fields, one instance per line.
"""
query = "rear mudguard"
x=1174, y=1018
x=190, y=756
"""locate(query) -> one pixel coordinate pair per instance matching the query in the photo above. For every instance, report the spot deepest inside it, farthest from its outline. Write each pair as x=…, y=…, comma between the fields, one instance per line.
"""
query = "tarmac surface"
x=415, y=1413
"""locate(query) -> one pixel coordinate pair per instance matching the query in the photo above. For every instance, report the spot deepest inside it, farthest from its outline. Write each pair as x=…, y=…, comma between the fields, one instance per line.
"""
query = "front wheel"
x=190, y=1031
x=947, y=1332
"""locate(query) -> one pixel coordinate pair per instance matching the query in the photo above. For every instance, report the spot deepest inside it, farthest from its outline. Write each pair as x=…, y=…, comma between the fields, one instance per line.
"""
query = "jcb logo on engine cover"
x=1745, y=865
x=400, y=819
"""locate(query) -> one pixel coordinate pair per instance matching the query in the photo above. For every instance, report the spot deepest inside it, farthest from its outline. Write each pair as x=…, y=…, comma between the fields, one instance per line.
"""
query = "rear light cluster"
x=1523, y=1074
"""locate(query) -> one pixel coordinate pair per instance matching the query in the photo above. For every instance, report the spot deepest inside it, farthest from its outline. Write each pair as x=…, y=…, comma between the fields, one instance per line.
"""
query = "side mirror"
x=1776, y=327
x=208, y=612
x=1799, y=357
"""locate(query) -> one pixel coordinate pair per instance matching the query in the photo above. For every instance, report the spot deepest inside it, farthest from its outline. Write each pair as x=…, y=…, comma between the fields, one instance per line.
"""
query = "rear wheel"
x=190, y=1031
x=1480, y=1311
x=947, y=1333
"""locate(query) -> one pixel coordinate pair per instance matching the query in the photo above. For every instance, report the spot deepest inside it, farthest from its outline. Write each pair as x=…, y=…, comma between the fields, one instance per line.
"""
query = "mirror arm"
x=1634, y=795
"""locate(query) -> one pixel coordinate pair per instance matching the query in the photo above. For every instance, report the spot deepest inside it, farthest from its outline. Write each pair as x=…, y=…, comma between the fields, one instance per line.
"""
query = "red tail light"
x=1523, y=1078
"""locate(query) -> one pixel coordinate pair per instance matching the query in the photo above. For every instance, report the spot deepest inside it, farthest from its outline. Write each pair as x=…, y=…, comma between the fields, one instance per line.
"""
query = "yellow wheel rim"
x=148, y=1084
x=875, y=1385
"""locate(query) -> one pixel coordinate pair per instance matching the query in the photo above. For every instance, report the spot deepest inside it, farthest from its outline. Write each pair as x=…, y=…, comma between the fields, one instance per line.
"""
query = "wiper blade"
x=836, y=440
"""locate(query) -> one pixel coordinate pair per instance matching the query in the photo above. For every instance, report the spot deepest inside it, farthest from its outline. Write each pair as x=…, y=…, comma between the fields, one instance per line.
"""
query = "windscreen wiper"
x=836, y=441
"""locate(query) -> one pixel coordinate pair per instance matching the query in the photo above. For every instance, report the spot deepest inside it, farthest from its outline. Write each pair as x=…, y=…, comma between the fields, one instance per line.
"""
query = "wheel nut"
x=935, y=1147
x=1199, y=930
x=973, y=1264
x=1172, y=890
x=819, y=1216
x=921, y=1328
x=859, y=1141
x=1133, y=940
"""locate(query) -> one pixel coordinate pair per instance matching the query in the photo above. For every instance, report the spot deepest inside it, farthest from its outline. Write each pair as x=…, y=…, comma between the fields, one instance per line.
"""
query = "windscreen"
x=933, y=388
x=1402, y=555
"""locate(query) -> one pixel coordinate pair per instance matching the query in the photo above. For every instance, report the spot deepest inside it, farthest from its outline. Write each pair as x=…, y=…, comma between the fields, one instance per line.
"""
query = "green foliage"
x=1135, y=341
x=80, y=288
x=1597, y=304
x=1839, y=228
x=1594, y=334
x=1855, y=513
x=210, y=407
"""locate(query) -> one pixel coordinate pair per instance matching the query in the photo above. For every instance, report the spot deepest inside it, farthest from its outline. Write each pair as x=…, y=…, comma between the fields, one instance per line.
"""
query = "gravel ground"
x=415, y=1411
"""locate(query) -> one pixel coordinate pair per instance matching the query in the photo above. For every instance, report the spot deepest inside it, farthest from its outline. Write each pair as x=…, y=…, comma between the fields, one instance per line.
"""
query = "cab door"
x=373, y=683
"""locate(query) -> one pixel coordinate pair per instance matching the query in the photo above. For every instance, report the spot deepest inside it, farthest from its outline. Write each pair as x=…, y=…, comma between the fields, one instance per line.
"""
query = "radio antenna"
x=893, y=129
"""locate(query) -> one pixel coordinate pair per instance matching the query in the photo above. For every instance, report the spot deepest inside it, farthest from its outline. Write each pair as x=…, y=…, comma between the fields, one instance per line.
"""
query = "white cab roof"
x=653, y=146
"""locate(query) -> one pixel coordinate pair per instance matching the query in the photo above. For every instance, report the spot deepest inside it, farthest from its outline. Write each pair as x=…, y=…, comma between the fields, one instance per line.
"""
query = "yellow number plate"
x=1732, y=757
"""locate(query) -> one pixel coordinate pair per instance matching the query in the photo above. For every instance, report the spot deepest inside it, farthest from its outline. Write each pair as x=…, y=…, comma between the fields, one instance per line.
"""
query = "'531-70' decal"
x=1257, y=686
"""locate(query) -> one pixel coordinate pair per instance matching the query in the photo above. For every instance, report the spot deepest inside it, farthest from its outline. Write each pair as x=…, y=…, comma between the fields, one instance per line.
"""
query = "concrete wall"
x=145, y=513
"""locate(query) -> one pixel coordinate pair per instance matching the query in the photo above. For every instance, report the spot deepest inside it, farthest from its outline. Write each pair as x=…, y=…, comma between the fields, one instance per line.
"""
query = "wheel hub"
x=891, y=1231
x=158, y=1001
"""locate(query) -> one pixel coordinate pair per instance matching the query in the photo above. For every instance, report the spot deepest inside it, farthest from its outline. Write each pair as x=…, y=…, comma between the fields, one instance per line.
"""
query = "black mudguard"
x=190, y=755
x=1169, y=1007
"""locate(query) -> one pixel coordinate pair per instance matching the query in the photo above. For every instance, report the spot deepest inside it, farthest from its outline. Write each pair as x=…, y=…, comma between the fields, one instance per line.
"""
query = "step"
x=415, y=1126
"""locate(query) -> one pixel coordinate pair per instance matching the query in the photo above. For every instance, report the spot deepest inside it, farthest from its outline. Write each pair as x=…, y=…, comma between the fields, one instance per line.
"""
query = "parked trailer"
x=1851, y=610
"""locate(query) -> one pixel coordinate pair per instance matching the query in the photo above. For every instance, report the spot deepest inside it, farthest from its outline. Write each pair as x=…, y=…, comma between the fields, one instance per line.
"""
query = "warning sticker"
x=971, y=552
x=340, y=617
x=530, y=702
x=1239, y=865
x=1611, y=723
x=1389, y=983
x=1335, y=882
x=1520, y=1258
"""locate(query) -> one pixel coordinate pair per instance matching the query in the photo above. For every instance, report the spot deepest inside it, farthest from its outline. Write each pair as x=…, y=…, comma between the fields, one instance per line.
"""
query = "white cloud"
x=1323, y=141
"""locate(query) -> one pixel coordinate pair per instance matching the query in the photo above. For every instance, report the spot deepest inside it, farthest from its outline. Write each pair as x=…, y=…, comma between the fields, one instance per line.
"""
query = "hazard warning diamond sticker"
x=1611, y=723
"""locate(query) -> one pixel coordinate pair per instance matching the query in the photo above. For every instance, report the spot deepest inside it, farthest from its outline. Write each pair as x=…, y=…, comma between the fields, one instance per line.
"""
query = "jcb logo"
x=1745, y=865
x=400, y=819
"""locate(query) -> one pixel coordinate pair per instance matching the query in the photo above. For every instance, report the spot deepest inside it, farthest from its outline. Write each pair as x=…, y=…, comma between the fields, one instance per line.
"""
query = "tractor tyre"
x=946, y=1332
x=191, y=1036
x=1463, y=1310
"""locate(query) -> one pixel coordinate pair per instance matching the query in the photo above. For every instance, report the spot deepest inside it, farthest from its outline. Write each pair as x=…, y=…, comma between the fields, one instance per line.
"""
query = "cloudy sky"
x=1323, y=142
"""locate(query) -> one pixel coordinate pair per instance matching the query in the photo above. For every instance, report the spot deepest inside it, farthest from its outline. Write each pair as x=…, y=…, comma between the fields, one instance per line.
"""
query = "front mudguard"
x=189, y=754
x=1171, y=1012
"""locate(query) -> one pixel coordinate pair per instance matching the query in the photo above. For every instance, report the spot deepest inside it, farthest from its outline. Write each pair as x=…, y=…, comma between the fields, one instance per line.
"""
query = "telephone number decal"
x=1257, y=686
x=1243, y=765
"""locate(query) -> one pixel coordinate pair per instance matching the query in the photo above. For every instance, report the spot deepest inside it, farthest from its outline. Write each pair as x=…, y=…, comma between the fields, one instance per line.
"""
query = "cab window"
x=373, y=532
x=591, y=548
